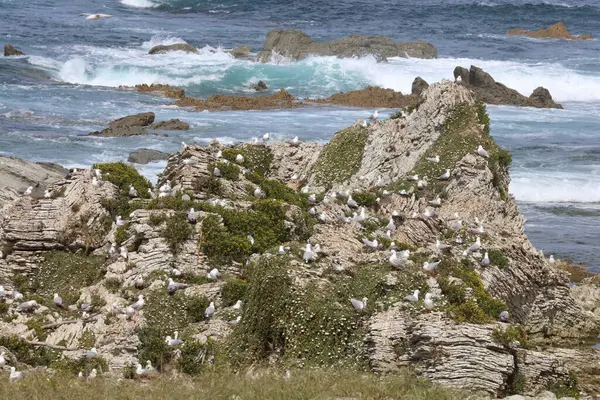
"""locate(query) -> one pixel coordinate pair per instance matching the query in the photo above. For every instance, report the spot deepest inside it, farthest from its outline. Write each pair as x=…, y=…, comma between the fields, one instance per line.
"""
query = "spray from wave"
x=139, y=3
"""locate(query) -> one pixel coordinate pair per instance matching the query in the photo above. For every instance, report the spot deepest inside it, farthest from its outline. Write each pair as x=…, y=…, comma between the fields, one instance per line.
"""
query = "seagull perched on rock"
x=503, y=316
x=123, y=252
x=312, y=198
x=436, y=202
x=281, y=250
x=295, y=141
x=139, y=371
x=456, y=225
x=359, y=305
x=210, y=310
x=91, y=353
x=551, y=259
x=360, y=217
x=238, y=305
x=28, y=305
x=239, y=159
x=413, y=178
x=96, y=182
x=58, y=302
x=391, y=226
x=430, y=213
x=213, y=274
x=479, y=230
x=475, y=246
x=258, y=192
x=266, y=137
x=441, y=246
x=120, y=221
x=16, y=295
x=371, y=244
x=364, y=124
x=486, y=259
x=435, y=159
x=428, y=302
x=93, y=17
x=15, y=375
x=116, y=309
x=132, y=191
x=308, y=253
x=217, y=172
x=445, y=176
x=374, y=116
x=351, y=202
x=175, y=341
x=175, y=286
x=92, y=374
x=2, y=359
x=139, y=303
x=482, y=152
x=431, y=266
x=413, y=297
x=398, y=259
x=192, y=217
x=28, y=191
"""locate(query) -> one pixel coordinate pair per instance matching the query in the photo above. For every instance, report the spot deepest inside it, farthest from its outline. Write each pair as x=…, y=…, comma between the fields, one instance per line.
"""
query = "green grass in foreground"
x=260, y=384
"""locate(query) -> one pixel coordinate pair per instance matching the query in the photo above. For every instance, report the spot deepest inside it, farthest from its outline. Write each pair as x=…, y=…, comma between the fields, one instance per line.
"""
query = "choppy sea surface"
x=67, y=84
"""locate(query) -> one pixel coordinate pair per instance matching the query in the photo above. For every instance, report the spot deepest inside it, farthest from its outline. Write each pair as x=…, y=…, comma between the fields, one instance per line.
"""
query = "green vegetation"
x=261, y=383
x=276, y=190
x=516, y=384
x=28, y=354
x=365, y=199
x=265, y=222
x=170, y=313
x=121, y=235
x=481, y=309
x=87, y=340
x=72, y=366
x=233, y=291
x=176, y=231
x=509, y=335
x=196, y=356
x=341, y=157
x=123, y=175
x=113, y=285
x=153, y=346
x=37, y=325
x=209, y=185
x=229, y=171
x=567, y=388
x=156, y=219
x=64, y=273
x=497, y=258
x=256, y=158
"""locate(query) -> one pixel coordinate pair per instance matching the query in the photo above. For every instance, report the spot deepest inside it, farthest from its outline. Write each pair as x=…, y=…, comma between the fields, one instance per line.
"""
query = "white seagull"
x=413, y=297
x=486, y=259
x=435, y=159
x=445, y=176
x=359, y=305
x=210, y=310
x=374, y=116
x=428, y=302
x=482, y=152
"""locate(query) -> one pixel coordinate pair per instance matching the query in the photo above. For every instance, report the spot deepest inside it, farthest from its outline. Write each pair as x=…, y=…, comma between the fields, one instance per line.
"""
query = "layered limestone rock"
x=297, y=45
x=256, y=205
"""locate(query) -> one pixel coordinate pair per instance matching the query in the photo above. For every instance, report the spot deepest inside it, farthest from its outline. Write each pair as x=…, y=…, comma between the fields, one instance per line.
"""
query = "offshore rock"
x=163, y=49
x=556, y=31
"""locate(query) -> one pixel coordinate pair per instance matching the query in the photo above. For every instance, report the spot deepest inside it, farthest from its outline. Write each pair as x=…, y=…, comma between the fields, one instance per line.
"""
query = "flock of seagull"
x=398, y=258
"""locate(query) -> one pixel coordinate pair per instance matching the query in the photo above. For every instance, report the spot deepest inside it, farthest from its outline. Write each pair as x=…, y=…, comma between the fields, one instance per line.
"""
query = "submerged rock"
x=296, y=45
x=491, y=92
x=260, y=86
x=11, y=51
x=145, y=156
x=131, y=125
x=163, y=49
x=174, y=124
x=372, y=96
x=556, y=31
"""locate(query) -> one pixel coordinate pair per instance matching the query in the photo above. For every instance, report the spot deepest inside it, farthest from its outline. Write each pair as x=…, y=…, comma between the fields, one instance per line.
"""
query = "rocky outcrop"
x=17, y=175
x=145, y=156
x=250, y=199
x=491, y=92
x=11, y=51
x=219, y=102
x=259, y=86
x=174, y=124
x=418, y=86
x=372, y=96
x=241, y=51
x=163, y=49
x=296, y=45
x=131, y=125
x=556, y=31
x=165, y=90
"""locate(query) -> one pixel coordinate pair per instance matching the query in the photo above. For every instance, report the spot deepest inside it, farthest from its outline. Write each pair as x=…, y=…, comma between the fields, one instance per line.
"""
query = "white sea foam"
x=554, y=189
x=139, y=3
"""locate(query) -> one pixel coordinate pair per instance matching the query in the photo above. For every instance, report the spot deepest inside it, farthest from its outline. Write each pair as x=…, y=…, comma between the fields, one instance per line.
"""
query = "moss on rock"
x=257, y=158
x=123, y=175
x=176, y=231
x=341, y=157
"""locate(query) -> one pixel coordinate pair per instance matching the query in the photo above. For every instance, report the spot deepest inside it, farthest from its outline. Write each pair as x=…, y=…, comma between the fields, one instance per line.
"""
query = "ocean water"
x=68, y=84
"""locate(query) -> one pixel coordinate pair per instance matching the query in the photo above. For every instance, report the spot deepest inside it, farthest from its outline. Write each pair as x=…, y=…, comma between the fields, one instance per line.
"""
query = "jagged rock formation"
x=220, y=102
x=174, y=124
x=371, y=96
x=252, y=198
x=241, y=51
x=418, y=86
x=491, y=92
x=297, y=45
x=556, y=31
x=11, y=51
x=17, y=175
x=165, y=90
x=134, y=125
x=163, y=49
x=145, y=156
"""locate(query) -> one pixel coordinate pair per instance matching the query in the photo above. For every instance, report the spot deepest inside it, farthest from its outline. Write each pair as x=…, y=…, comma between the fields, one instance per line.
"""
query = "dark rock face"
x=491, y=92
x=260, y=86
x=163, y=49
x=171, y=125
x=145, y=156
x=418, y=85
x=131, y=125
x=11, y=51
x=297, y=45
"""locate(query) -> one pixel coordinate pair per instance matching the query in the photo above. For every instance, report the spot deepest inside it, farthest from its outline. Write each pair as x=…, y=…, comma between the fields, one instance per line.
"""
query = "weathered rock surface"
x=372, y=96
x=165, y=90
x=556, y=31
x=17, y=175
x=418, y=86
x=163, y=49
x=491, y=92
x=171, y=125
x=241, y=51
x=131, y=125
x=145, y=156
x=11, y=51
x=219, y=102
x=297, y=45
